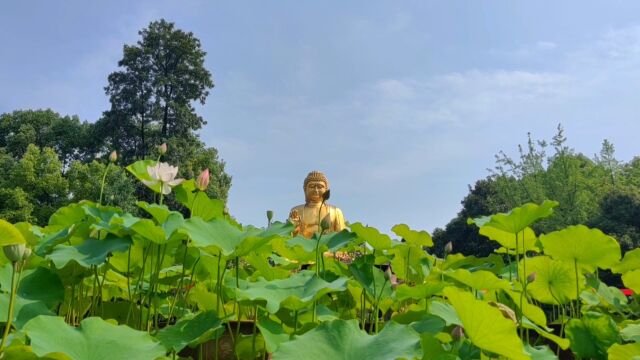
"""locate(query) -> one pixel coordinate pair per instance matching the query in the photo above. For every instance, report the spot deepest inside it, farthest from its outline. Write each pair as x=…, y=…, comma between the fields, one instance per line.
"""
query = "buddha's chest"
x=311, y=215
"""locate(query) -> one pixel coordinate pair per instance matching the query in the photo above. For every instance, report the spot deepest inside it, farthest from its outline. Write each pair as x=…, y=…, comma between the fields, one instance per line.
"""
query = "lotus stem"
x=12, y=300
x=104, y=178
x=575, y=266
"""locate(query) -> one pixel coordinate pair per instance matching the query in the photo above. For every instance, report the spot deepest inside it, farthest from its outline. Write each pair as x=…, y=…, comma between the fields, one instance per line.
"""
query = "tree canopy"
x=49, y=159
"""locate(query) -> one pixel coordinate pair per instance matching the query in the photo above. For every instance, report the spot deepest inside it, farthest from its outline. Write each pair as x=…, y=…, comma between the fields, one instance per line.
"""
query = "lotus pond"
x=187, y=281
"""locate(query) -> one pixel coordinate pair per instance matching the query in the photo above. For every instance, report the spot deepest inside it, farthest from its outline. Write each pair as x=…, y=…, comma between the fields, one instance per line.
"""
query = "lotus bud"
x=531, y=278
x=325, y=223
x=457, y=332
x=14, y=253
x=326, y=195
x=269, y=215
x=162, y=149
x=448, y=248
x=113, y=156
x=202, y=182
x=27, y=253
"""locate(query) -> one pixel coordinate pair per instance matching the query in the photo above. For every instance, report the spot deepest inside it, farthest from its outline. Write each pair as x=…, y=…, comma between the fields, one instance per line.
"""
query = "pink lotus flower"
x=113, y=156
x=202, y=182
x=163, y=174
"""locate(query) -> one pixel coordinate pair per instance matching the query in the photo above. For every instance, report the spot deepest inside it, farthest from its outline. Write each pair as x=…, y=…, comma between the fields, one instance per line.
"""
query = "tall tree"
x=161, y=76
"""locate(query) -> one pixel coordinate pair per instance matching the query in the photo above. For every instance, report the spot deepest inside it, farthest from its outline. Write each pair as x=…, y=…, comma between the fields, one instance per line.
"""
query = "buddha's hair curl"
x=315, y=176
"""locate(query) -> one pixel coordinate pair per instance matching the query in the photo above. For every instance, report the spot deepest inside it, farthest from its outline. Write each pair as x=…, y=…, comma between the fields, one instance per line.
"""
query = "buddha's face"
x=314, y=190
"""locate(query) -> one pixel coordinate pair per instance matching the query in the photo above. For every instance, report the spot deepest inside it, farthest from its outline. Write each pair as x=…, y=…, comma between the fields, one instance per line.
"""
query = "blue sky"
x=401, y=104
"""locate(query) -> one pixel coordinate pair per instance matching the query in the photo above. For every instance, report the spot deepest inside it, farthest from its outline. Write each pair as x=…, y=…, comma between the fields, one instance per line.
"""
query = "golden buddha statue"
x=308, y=216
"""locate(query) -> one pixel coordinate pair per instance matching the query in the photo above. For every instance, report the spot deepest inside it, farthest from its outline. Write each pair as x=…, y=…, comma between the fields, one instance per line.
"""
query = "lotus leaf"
x=206, y=208
x=479, y=280
x=273, y=333
x=540, y=352
x=485, y=326
x=630, y=261
x=372, y=236
x=95, y=339
x=534, y=313
x=341, y=339
x=91, y=252
x=555, y=280
x=371, y=278
x=545, y=333
x=139, y=170
x=9, y=234
x=24, y=310
x=444, y=311
x=413, y=237
x=417, y=292
x=631, y=280
x=526, y=239
x=191, y=331
x=295, y=292
x=590, y=248
x=631, y=332
x=592, y=335
x=624, y=352
x=518, y=218
x=408, y=261
x=217, y=233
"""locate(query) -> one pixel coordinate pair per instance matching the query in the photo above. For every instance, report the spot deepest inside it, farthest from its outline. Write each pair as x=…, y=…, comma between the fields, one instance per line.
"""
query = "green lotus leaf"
x=479, y=280
x=485, y=326
x=413, y=237
x=592, y=335
x=9, y=234
x=444, y=311
x=541, y=352
x=147, y=229
x=342, y=339
x=532, y=312
x=526, y=239
x=493, y=263
x=68, y=215
x=218, y=234
x=370, y=278
x=24, y=310
x=139, y=170
x=631, y=280
x=91, y=252
x=372, y=236
x=630, y=261
x=206, y=208
x=294, y=293
x=555, y=281
x=545, y=333
x=518, y=218
x=598, y=293
x=191, y=331
x=24, y=352
x=254, y=238
x=272, y=332
x=631, y=333
x=338, y=240
x=95, y=339
x=158, y=212
x=590, y=248
x=624, y=352
x=417, y=292
x=409, y=258
x=38, y=284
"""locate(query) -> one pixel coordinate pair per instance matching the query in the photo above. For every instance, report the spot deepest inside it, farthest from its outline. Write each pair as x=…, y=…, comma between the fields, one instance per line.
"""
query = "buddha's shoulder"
x=298, y=208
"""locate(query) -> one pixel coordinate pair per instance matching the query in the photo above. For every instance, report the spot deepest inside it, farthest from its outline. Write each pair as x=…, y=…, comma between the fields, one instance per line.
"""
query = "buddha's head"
x=315, y=185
